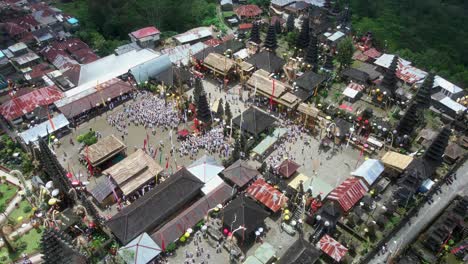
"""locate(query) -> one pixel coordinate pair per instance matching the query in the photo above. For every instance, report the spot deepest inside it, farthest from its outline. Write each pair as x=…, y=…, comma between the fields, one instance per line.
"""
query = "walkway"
x=428, y=212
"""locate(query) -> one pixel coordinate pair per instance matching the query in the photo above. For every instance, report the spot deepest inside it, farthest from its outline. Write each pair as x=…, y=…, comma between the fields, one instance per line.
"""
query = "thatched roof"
x=156, y=206
x=134, y=171
x=261, y=79
x=301, y=252
x=104, y=149
x=396, y=160
x=219, y=63
x=254, y=121
x=308, y=110
x=267, y=61
x=240, y=173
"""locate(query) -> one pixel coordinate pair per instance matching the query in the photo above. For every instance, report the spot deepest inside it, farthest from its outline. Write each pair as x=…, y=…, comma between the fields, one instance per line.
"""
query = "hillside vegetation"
x=433, y=34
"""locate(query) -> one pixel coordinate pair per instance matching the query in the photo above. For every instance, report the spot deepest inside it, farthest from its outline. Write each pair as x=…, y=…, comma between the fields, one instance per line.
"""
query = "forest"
x=433, y=34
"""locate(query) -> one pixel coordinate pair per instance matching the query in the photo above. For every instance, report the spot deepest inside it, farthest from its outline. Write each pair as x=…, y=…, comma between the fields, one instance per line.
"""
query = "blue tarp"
x=72, y=21
x=426, y=185
x=370, y=170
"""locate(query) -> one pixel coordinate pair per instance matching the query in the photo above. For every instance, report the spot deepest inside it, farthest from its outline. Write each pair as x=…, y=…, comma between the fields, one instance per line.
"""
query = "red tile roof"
x=332, y=247
x=245, y=26
x=267, y=195
x=39, y=70
x=145, y=32
x=13, y=29
x=25, y=21
x=24, y=104
x=248, y=11
x=373, y=53
x=348, y=193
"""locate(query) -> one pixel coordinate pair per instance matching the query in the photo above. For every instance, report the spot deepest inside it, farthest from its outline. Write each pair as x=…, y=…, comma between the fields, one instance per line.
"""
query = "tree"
x=220, y=110
x=227, y=112
x=291, y=38
x=389, y=80
x=423, y=96
x=290, y=23
x=278, y=26
x=198, y=90
x=270, y=39
x=327, y=4
x=255, y=34
x=304, y=38
x=345, y=52
x=312, y=53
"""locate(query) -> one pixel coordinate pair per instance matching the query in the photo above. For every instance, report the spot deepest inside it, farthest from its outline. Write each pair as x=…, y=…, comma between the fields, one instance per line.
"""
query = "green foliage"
x=420, y=31
x=291, y=38
x=260, y=3
x=345, y=51
x=27, y=209
x=88, y=138
x=228, y=14
x=171, y=247
x=7, y=148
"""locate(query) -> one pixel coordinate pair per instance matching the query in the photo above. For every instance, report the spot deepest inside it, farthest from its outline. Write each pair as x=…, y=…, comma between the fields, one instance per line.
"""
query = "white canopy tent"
x=207, y=169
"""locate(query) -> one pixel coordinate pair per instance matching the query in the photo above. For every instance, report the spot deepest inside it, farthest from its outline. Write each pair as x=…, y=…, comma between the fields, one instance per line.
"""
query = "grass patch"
x=28, y=244
x=8, y=192
x=17, y=212
x=228, y=14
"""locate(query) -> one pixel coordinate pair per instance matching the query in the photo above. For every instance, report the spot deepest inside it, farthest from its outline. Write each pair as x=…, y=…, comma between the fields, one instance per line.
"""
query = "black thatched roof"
x=309, y=80
x=240, y=173
x=155, y=207
x=254, y=121
x=356, y=75
x=267, y=61
x=244, y=211
x=301, y=252
x=232, y=44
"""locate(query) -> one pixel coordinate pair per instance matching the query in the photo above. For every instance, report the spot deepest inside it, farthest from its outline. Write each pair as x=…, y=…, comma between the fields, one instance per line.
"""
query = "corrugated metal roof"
x=24, y=104
x=267, y=195
x=348, y=193
x=332, y=247
x=41, y=130
x=145, y=32
x=370, y=170
x=151, y=68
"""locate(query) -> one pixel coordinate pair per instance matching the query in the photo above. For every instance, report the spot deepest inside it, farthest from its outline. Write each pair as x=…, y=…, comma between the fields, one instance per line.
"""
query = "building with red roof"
x=263, y=192
x=348, y=193
x=332, y=248
x=19, y=106
x=248, y=11
x=245, y=26
x=145, y=37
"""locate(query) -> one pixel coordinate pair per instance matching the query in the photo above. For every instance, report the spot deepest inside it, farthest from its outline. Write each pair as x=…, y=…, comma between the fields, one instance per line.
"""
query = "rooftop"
x=145, y=32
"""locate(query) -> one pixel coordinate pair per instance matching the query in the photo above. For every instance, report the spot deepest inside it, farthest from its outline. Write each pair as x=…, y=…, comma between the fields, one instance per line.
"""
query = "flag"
x=50, y=121
x=160, y=157
x=155, y=153
x=163, y=245
x=144, y=144
x=272, y=94
x=167, y=162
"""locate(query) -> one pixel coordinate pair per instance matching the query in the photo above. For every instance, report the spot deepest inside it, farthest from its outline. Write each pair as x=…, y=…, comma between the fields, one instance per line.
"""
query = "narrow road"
x=219, y=13
x=426, y=215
